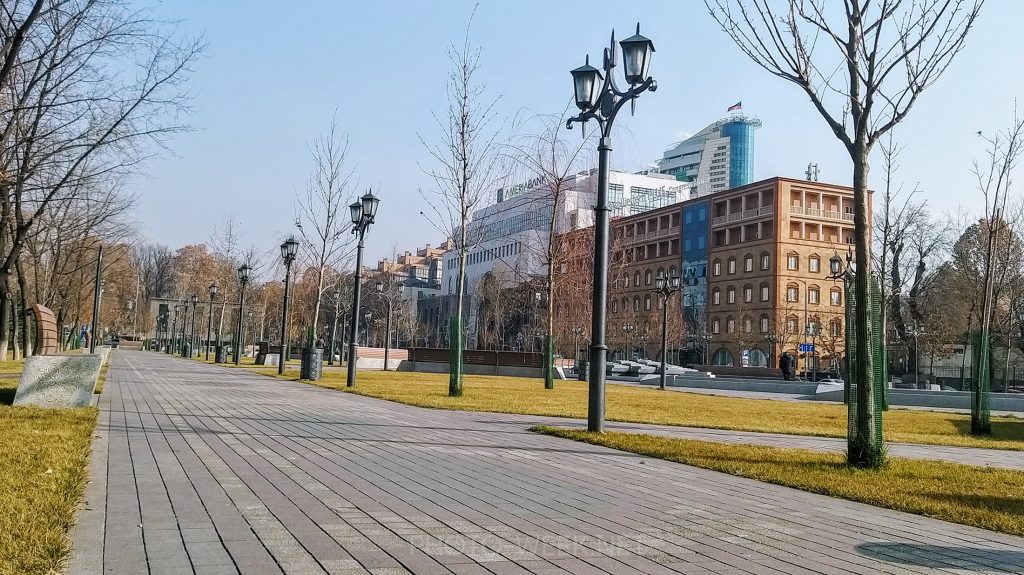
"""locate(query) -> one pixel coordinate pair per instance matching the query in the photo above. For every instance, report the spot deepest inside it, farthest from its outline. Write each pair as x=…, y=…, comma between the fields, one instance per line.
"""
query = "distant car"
x=831, y=380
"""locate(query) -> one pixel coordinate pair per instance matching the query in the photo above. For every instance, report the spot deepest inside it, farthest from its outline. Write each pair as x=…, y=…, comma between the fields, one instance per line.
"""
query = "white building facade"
x=717, y=158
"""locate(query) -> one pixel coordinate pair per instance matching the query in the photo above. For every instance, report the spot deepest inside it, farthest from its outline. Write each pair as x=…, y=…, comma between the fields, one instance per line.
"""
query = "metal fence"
x=962, y=378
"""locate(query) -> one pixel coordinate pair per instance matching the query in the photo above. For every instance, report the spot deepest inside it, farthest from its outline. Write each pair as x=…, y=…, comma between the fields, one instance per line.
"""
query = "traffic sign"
x=807, y=347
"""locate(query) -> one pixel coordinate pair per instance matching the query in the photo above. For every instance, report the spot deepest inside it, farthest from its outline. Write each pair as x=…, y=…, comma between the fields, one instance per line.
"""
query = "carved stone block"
x=58, y=380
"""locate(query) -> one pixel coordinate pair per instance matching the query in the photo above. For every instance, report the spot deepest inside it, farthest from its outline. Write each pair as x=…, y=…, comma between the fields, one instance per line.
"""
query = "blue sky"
x=276, y=72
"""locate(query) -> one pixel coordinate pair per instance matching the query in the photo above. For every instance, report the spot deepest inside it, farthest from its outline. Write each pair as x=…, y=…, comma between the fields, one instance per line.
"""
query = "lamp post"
x=577, y=333
x=336, y=295
x=665, y=287
x=243, y=278
x=706, y=339
x=384, y=292
x=289, y=248
x=838, y=273
x=599, y=99
x=192, y=329
x=916, y=331
x=813, y=330
x=363, y=212
x=96, y=299
x=627, y=328
x=770, y=339
x=209, y=321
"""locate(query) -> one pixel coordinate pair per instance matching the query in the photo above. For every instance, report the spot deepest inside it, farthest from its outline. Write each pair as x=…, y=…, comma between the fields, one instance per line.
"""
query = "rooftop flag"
x=736, y=106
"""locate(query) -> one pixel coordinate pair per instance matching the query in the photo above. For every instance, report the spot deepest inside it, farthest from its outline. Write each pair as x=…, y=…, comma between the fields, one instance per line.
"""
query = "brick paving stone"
x=211, y=470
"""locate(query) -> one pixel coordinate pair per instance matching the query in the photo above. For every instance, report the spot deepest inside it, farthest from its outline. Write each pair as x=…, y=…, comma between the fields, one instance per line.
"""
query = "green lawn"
x=980, y=496
x=650, y=405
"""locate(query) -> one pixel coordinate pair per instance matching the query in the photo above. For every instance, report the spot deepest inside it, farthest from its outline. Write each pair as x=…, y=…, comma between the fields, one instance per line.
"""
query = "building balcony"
x=818, y=213
x=657, y=234
x=742, y=216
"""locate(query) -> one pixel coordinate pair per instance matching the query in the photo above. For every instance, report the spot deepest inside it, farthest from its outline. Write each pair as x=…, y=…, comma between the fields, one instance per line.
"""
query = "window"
x=732, y=265
x=792, y=293
x=748, y=293
x=636, y=279
x=765, y=261
x=625, y=280
x=636, y=303
x=764, y=324
x=615, y=305
x=730, y=325
x=722, y=357
x=814, y=264
x=748, y=263
x=837, y=297
x=647, y=277
x=791, y=324
x=716, y=268
x=714, y=326
x=731, y=295
x=764, y=292
x=647, y=303
x=625, y=304
x=672, y=272
x=716, y=296
x=813, y=295
x=836, y=326
x=747, y=324
x=793, y=262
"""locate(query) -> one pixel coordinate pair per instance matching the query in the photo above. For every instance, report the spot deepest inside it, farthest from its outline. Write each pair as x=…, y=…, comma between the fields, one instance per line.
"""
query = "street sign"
x=807, y=347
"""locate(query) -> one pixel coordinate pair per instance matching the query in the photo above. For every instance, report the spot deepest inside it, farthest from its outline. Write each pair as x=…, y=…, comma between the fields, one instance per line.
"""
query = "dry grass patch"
x=979, y=496
x=649, y=405
x=42, y=476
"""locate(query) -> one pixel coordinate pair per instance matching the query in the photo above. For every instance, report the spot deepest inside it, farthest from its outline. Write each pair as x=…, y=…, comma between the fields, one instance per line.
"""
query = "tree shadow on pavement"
x=943, y=557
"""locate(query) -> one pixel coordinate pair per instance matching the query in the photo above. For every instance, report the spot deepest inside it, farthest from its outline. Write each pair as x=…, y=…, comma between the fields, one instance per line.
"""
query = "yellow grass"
x=979, y=496
x=649, y=405
x=42, y=476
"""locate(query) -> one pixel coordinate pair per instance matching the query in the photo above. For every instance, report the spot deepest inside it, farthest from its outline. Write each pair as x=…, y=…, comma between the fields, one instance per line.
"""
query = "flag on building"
x=736, y=106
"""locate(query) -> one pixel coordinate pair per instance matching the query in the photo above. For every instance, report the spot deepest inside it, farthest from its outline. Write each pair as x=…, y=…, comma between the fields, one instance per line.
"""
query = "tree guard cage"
x=455, y=356
x=875, y=374
x=981, y=390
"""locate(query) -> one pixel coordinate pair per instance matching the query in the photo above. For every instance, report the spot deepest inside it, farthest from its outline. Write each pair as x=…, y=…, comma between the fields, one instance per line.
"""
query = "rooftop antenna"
x=812, y=172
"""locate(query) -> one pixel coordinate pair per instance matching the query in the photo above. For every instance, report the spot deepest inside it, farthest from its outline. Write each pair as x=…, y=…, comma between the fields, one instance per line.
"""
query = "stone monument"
x=58, y=380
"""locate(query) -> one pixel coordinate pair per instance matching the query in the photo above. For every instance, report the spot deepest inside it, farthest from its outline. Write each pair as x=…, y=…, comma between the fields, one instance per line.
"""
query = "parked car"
x=831, y=380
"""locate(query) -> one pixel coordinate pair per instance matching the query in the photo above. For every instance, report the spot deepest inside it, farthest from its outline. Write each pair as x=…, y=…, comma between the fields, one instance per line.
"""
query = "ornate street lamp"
x=363, y=213
x=599, y=99
x=289, y=249
x=628, y=328
x=192, y=330
x=770, y=339
x=665, y=287
x=389, y=298
x=209, y=321
x=243, y=279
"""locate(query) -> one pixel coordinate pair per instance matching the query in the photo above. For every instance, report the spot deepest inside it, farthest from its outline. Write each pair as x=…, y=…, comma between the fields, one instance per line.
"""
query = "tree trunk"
x=26, y=340
x=5, y=323
x=866, y=449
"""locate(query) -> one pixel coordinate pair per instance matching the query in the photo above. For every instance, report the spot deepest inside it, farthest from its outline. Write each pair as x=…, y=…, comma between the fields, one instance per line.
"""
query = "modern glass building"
x=719, y=157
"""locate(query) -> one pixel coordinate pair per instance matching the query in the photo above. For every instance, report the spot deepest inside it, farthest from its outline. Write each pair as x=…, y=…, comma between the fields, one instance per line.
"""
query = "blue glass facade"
x=741, y=152
x=694, y=254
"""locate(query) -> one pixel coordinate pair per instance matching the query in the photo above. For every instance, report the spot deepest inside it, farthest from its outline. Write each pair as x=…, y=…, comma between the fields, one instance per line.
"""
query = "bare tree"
x=890, y=52
x=548, y=159
x=324, y=223
x=464, y=175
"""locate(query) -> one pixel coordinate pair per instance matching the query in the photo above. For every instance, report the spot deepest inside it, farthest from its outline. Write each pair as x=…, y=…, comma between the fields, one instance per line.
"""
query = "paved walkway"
x=205, y=470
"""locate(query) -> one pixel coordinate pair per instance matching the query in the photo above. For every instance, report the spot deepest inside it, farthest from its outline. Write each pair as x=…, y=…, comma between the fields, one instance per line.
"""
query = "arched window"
x=715, y=325
x=836, y=327
x=647, y=303
x=730, y=325
x=836, y=296
x=793, y=261
x=791, y=324
x=793, y=293
x=625, y=305
x=716, y=267
x=748, y=263
x=647, y=277
x=732, y=265
x=730, y=295
x=625, y=279
x=747, y=324
x=764, y=291
x=757, y=358
x=764, y=323
x=672, y=272
x=814, y=264
x=636, y=279
x=813, y=295
x=716, y=296
x=766, y=261
x=722, y=357
x=748, y=293
x=636, y=303
x=660, y=273
x=615, y=305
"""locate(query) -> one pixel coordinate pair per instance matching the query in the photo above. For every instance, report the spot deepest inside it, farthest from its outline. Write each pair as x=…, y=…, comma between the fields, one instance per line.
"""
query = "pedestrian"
x=785, y=364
